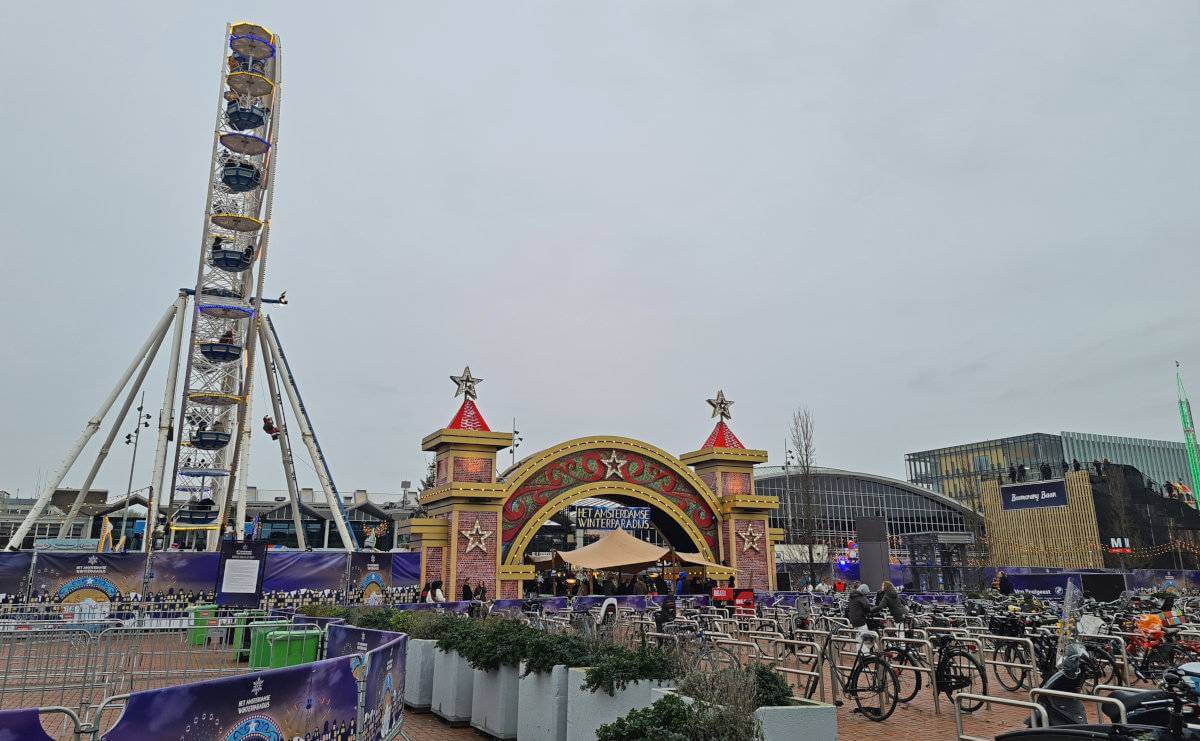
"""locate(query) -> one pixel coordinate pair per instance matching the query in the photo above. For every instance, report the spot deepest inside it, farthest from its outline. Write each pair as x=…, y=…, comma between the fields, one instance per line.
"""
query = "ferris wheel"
x=228, y=295
x=212, y=430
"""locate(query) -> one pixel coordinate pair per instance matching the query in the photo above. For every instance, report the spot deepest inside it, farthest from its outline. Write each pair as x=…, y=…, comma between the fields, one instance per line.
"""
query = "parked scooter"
x=1181, y=688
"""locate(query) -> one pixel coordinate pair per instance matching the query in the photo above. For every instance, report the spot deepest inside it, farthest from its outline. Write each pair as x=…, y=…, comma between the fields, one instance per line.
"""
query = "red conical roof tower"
x=468, y=418
x=722, y=437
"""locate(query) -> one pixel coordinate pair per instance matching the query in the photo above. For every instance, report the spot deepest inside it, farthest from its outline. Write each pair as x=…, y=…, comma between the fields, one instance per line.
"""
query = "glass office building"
x=957, y=470
x=1158, y=460
x=841, y=496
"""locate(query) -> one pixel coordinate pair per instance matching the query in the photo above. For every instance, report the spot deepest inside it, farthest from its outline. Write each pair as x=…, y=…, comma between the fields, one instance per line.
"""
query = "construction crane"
x=1189, y=433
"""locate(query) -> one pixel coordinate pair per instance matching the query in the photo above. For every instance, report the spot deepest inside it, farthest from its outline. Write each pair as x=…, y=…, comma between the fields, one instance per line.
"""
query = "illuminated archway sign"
x=478, y=527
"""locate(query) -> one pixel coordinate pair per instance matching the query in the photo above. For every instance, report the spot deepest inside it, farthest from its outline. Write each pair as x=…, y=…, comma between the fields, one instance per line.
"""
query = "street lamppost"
x=516, y=443
x=142, y=420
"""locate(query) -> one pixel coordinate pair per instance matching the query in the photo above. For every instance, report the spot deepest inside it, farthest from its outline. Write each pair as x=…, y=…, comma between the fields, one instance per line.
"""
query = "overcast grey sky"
x=930, y=222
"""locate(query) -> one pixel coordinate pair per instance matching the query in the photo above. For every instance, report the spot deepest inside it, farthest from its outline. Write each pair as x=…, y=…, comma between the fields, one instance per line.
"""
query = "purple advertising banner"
x=22, y=725
x=370, y=577
x=385, y=688
x=1037, y=494
x=96, y=577
x=14, y=570
x=177, y=574
x=318, y=700
x=344, y=640
x=1044, y=586
x=290, y=572
x=406, y=569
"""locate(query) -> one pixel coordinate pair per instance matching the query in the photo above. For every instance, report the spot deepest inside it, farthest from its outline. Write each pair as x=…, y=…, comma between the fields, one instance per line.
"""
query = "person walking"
x=466, y=592
x=889, y=599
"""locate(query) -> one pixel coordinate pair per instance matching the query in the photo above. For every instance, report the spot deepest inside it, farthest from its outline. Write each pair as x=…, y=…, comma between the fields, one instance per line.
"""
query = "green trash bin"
x=203, y=618
x=260, y=650
x=240, y=639
x=292, y=647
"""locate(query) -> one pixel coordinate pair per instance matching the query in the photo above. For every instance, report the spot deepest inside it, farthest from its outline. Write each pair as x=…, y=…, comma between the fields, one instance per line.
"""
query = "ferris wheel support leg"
x=165, y=422
x=93, y=424
x=243, y=471
x=285, y=444
x=349, y=542
x=64, y=530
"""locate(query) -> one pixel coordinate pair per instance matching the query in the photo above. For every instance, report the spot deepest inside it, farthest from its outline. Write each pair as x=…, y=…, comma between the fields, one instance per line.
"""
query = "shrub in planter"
x=424, y=626
x=665, y=720
x=544, y=651
x=322, y=611
x=613, y=667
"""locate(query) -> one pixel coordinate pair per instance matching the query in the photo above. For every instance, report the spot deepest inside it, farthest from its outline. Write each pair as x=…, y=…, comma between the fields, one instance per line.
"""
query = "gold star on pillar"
x=476, y=537
x=749, y=538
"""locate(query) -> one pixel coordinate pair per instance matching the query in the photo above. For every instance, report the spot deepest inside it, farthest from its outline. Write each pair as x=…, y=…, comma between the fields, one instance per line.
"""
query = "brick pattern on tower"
x=735, y=483
x=475, y=565
x=752, y=565
x=473, y=470
x=441, y=472
x=710, y=480
x=433, y=563
x=509, y=589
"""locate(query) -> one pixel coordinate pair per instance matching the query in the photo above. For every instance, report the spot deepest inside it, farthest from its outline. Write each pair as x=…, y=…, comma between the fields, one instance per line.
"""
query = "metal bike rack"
x=1038, y=716
x=1122, y=657
x=1035, y=675
x=1040, y=691
x=817, y=659
x=930, y=670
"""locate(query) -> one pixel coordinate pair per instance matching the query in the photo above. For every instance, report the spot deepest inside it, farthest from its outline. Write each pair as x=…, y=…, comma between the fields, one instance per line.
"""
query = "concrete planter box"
x=804, y=719
x=542, y=705
x=453, y=681
x=587, y=710
x=418, y=674
x=494, y=701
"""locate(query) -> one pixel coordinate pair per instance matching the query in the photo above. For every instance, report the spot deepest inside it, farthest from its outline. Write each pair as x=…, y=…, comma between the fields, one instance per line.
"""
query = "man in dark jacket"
x=859, y=608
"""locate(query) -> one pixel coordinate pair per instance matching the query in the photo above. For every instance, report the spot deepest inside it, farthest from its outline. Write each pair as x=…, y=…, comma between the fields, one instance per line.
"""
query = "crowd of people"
x=608, y=584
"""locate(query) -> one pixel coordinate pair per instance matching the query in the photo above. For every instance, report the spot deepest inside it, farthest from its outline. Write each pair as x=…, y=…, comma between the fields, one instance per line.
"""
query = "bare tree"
x=804, y=448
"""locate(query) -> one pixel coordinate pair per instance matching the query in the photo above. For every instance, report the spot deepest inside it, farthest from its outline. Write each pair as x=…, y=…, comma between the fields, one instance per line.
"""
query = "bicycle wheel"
x=909, y=681
x=959, y=671
x=711, y=657
x=1166, y=656
x=1012, y=677
x=1106, y=666
x=874, y=687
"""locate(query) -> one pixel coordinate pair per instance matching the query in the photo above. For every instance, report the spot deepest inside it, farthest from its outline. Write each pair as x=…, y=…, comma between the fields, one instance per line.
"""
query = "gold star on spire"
x=466, y=383
x=721, y=406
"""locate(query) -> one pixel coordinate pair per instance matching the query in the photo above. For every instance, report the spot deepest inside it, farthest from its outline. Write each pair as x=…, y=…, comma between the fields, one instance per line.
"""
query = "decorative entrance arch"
x=592, y=466
x=478, y=527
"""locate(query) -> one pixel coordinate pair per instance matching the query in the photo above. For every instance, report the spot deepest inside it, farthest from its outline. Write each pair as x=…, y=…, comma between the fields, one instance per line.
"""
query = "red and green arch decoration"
x=540, y=483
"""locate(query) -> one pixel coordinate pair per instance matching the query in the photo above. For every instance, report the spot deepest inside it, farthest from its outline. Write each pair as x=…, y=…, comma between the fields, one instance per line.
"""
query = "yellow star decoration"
x=477, y=537
x=749, y=538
